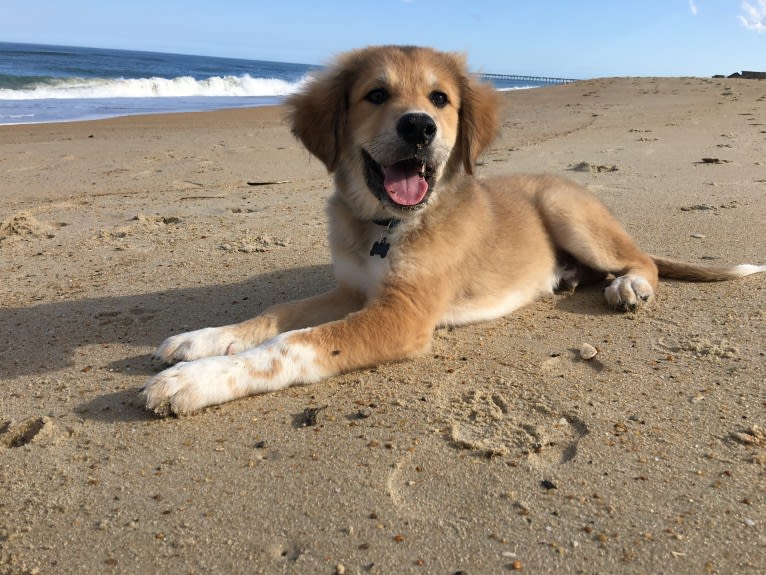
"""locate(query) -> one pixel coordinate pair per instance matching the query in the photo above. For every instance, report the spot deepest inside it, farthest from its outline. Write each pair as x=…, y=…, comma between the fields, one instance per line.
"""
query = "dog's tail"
x=696, y=273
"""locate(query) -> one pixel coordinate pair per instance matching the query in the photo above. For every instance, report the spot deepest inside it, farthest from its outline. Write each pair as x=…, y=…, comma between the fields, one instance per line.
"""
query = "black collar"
x=390, y=223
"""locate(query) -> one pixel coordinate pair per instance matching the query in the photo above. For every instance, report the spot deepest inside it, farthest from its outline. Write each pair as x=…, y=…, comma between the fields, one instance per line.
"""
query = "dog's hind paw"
x=629, y=292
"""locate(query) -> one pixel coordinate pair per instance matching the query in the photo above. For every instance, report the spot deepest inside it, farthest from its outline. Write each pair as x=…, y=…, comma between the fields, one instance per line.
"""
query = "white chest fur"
x=357, y=267
x=365, y=274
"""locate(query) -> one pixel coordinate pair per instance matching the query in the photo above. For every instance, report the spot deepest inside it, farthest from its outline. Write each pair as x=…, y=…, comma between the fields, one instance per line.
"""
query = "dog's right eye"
x=377, y=96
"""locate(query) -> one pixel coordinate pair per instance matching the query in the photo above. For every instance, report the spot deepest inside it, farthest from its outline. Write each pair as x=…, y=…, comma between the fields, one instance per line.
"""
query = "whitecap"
x=156, y=87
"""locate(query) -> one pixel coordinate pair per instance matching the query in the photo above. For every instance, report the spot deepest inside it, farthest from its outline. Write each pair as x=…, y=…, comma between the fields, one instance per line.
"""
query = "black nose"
x=416, y=129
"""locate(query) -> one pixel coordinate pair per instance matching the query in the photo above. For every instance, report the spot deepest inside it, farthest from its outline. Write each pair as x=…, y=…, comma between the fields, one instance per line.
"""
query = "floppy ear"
x=318, y=115
x=478, y=120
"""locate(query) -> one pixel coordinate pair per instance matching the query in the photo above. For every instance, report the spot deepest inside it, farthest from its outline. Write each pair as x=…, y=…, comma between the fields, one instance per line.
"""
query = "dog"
x=417, y=241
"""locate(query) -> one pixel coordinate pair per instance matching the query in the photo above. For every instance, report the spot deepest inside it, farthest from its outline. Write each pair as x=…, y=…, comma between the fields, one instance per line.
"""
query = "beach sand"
x=500, y=450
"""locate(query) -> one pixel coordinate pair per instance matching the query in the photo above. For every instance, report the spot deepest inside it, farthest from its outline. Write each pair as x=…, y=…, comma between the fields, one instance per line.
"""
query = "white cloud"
x=693, y=7
x=754, y=17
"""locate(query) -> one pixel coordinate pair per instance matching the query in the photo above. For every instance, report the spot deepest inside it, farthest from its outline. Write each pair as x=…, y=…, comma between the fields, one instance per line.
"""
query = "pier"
x=535, y=79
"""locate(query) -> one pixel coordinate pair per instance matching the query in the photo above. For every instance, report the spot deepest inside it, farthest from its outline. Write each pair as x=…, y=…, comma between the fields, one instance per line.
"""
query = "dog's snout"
x=416, y=129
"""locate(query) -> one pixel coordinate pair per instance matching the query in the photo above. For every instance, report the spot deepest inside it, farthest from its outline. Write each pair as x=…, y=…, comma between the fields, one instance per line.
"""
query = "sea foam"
x=180, y=87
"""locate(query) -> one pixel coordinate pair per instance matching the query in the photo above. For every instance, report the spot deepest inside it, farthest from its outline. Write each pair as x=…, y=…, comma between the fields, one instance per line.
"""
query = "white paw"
x=189, y=386
x=627, y=293
x=192, y=345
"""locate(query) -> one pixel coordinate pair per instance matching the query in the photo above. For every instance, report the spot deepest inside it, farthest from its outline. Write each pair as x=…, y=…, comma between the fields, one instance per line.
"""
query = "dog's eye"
x=377, y=96
x=438, y=99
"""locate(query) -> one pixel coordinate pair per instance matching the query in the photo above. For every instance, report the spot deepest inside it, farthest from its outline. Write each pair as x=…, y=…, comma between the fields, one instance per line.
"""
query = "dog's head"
x=395, y=121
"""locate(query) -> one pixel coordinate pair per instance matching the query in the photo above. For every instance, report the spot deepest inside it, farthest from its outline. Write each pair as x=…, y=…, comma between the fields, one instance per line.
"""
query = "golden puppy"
x=417, y=241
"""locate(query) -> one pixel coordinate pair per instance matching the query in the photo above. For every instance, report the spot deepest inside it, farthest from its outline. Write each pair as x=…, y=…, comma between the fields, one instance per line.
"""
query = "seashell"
x=587, y=351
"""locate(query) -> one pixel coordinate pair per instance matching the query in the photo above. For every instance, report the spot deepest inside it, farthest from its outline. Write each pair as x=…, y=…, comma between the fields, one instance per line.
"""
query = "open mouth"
x=405, y=184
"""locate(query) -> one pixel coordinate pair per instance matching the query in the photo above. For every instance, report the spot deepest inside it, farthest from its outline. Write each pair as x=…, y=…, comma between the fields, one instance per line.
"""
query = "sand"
x=501, y=450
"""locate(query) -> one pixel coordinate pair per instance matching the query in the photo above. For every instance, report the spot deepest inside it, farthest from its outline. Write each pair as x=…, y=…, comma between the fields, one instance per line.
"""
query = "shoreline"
x=500, y=449
x=164, y=106
x=161, y=116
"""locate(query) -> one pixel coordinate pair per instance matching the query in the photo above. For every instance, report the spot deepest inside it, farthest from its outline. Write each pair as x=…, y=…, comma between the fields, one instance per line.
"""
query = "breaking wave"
x=180, y=87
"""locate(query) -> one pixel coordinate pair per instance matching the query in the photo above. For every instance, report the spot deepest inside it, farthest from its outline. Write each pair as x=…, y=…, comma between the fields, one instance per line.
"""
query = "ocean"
x=41, y=83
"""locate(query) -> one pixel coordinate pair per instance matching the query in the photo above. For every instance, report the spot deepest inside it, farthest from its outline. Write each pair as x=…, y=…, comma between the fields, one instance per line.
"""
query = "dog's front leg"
x=391, y=328
x=191, y=385
x=236, y=338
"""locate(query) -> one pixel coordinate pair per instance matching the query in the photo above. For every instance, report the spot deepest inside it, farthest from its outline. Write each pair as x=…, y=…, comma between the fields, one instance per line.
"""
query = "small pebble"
x=587, y=351
x=745, y=438
x=698, y=236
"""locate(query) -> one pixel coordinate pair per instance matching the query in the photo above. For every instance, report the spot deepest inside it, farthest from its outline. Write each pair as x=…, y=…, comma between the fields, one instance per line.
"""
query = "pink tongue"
x=404, y=184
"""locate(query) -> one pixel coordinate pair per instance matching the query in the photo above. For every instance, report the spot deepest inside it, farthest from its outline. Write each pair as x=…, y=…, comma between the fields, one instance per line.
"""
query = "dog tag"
x=380, y=248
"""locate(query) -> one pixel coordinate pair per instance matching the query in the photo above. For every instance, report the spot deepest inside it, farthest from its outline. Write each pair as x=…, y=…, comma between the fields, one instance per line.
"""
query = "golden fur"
x=407, y=256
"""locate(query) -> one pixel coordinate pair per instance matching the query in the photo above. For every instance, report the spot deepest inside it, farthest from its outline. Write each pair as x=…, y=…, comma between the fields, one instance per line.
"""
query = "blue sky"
x=577, y=39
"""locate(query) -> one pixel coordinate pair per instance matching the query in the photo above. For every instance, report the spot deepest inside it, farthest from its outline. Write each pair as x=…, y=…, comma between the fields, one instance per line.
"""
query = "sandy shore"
x=500, y=451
